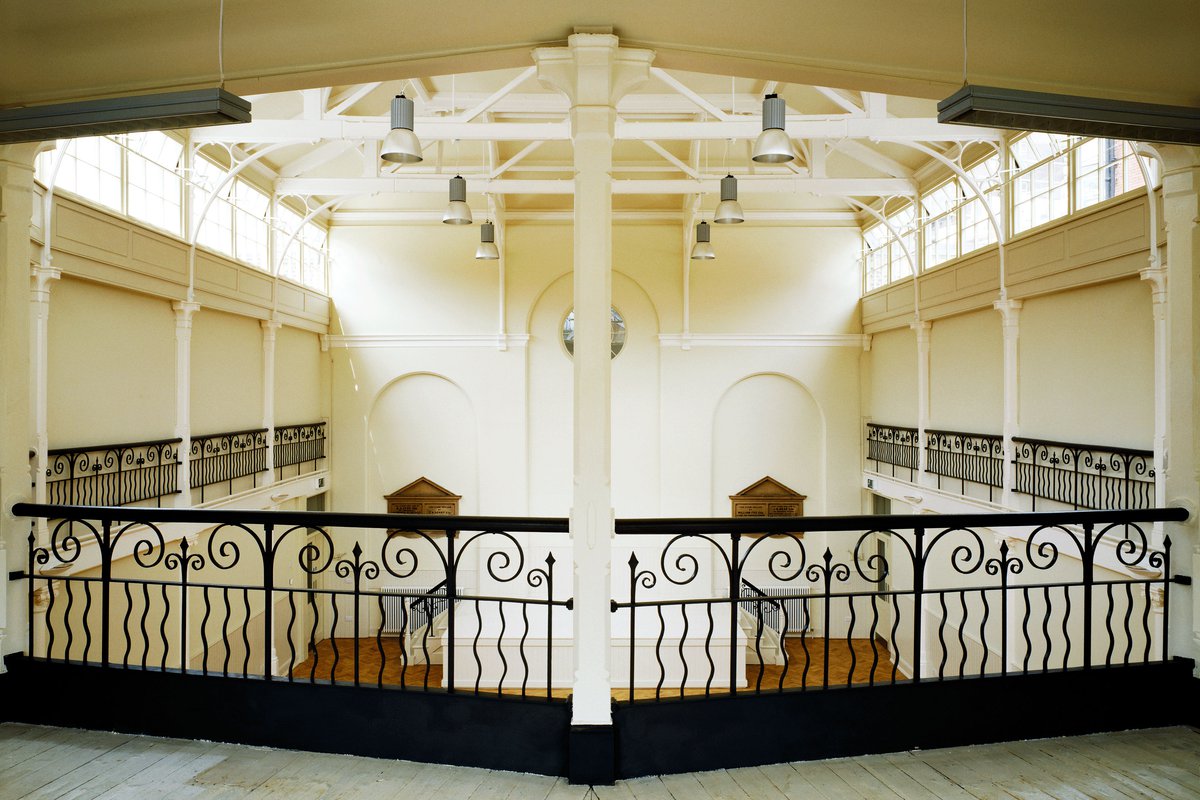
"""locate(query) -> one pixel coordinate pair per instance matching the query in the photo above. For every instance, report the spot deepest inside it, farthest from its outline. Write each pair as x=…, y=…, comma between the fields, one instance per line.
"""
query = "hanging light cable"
x=773, y=145
x=702, y=250
x=458, y=212
x=401, y=145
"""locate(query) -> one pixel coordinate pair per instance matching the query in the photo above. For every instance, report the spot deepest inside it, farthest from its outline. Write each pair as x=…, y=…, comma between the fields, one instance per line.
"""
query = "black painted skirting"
x=485, y=731
x=688, y=735
x=684, y=735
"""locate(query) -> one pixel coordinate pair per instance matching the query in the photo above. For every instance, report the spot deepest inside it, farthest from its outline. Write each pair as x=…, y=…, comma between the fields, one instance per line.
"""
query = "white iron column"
x=922, y=330
x=16, y=214
x=1181, y=213
x=184, y=311
x=40, y=334
x=269, y=328
x=1010, y=314
x=593, y=72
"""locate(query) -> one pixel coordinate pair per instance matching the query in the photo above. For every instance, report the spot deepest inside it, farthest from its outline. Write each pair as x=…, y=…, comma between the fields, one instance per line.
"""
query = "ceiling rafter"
x=350, y=97
x=862, y=187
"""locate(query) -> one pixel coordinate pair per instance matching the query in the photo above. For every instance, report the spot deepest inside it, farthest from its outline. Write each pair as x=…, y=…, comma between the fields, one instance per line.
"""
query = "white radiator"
x=798, y=611
x=410, y=614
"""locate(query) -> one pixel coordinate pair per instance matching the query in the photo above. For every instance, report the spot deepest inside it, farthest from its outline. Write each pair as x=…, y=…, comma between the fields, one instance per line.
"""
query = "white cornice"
x=386, y=340
x=685, y=342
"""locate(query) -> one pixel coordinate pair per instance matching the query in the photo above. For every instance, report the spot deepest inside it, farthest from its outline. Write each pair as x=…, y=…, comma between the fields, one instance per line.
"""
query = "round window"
x=618, y=332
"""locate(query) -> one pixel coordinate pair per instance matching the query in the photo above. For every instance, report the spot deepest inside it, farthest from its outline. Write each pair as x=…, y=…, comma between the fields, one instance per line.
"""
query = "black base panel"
x=693, y=734
x=593, y=755
x=464, y=730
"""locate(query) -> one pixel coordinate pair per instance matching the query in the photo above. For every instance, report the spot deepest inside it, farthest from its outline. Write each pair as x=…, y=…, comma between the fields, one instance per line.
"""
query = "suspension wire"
x=964, y=42
x=221, y=42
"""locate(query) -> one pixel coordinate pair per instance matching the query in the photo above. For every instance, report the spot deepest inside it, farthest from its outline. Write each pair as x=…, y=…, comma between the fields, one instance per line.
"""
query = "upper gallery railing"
x=1081, y=476
x=135, y=472
x=113, y=474
x=311, y=597
x=297, y=445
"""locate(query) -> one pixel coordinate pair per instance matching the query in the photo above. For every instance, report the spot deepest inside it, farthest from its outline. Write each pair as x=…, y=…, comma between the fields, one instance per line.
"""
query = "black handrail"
x=1033, y=519
x=334, y=519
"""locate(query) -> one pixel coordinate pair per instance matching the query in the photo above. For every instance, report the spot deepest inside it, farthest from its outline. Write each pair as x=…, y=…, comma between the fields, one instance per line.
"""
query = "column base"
x=592, y=755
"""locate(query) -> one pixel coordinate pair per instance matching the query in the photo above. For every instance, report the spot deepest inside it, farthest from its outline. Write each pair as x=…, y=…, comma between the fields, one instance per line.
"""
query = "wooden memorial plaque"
x=422, y=496
x=767, y=498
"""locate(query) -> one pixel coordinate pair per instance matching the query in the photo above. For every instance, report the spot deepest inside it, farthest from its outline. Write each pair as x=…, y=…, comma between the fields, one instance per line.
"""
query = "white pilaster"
x=184, y=311
x=16, y=424
x=922, y=330
x=1181, y=214
x=39, y=290
x=1010, y=319
x=1156, y=276
x=269, y=328
x=594, y=73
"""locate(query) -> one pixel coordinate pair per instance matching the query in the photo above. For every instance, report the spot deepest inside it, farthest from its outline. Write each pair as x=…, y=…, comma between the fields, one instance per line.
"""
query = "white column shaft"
x=184, y=311
x=922, y=331
x=1010, y=313
x=269, y=328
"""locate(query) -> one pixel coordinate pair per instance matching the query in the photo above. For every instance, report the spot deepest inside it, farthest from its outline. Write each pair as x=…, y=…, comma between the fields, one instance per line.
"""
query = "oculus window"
x=617, y=340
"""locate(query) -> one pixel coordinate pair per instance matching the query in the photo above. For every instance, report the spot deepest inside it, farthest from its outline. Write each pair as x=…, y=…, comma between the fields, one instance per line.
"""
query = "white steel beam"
x=873, y=158
x=691, y=95
x=681, y=166
x=867, y=187
x=507, y=165
x=321, y=154
x=350, y=97
x=839, y=99
x=437, y=129
x=495, y=97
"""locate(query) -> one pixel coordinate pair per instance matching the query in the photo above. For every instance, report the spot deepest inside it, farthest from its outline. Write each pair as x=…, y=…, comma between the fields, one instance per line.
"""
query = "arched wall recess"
x=768, y=423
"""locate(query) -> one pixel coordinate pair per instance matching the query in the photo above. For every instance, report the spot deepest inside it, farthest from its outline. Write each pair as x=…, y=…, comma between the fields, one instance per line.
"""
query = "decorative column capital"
x=184, y=311
x=592, y=70
x=1156, y=276
x=40, y=278
x=269, y=328
x=1010, y=311
x=922, y=328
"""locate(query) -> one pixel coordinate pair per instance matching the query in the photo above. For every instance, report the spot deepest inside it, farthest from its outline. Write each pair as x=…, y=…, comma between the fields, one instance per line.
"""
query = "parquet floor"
x=384, y=666
x=38, y=763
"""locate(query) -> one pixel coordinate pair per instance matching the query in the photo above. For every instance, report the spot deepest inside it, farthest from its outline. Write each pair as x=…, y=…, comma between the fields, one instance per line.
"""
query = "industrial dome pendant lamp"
x=458, y=212
x=401, y=145
x=702, y=250
x=487, y=250
x=773, y=145
x=729, y=211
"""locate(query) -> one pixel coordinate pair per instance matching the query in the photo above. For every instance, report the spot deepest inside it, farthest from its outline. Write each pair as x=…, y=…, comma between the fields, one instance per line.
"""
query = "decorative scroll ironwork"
x=298, y=445
x=1083, y=475
x=113, y=474
x=891, y=599
x=965, y=457
x=316, y=610
x=893, y=446
x=225, y=457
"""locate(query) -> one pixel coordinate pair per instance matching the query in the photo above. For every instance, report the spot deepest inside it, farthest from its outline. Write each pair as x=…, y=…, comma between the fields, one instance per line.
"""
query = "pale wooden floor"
x=39, y=762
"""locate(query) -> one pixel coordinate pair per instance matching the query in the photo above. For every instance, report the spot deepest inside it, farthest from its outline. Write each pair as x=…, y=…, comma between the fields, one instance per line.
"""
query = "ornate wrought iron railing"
x=113, y=474
x=967, y=458
x=894, y=447
x=297, y=596
x=1083, y=475
x=225, y=457
x=945, y=596
x=298, y=445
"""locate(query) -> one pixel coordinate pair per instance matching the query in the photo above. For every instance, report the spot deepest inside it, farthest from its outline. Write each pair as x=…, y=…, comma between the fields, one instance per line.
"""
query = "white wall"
x=226, y=373
x=891, y=394
x=299, y=381
x=966, y=365
x=670, y=423
x=111, y=366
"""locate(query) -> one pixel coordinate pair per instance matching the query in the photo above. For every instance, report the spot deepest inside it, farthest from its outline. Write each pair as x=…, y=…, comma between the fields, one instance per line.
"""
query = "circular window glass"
x=618, y=332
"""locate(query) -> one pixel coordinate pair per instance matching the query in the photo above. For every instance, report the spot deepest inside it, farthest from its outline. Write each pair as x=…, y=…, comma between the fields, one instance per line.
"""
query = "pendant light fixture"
x=702, y=250
x=401, y=145
x=729, y=210
x=458, y=212
x=487, y=250
x=773, y=145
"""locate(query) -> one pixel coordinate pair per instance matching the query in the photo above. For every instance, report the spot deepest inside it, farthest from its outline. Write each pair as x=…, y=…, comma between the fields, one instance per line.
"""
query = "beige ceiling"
x=72, y=49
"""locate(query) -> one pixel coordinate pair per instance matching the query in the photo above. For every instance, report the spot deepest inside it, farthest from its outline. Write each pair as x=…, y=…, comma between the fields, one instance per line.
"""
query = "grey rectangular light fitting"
x=990, y=107
x=147, y=112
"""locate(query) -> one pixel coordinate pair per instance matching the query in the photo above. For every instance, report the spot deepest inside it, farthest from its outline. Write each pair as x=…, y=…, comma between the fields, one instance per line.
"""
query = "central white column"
x=593, y=72
x=922, y=330
x=269, y=328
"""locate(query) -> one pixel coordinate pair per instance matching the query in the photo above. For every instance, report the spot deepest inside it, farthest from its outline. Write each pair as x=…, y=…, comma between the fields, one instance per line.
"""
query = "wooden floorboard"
x=41, y=763
x=850, y=662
